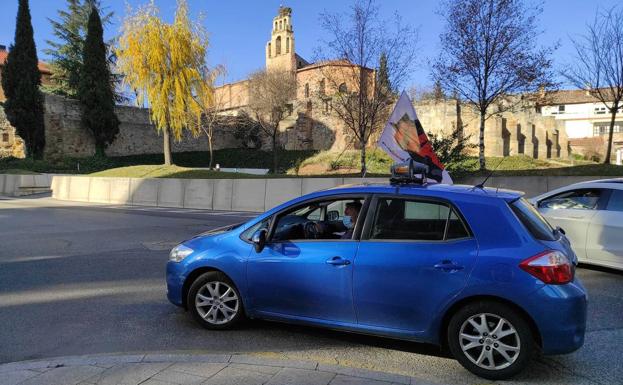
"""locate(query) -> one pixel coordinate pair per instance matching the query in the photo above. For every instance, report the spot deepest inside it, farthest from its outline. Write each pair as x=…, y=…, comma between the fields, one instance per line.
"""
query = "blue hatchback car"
x=476, y=270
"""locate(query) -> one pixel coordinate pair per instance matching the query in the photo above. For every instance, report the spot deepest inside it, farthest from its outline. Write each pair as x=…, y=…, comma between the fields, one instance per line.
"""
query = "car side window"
x=616, y=201
x=401, y=219
x=319, y=220
x=581, y=199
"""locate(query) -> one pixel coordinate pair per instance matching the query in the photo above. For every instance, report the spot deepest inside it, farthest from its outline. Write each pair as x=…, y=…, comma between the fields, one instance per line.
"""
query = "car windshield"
x=533, y=220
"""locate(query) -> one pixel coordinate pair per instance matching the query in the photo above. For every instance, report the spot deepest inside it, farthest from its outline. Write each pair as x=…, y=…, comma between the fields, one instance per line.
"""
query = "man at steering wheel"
x=323, y=230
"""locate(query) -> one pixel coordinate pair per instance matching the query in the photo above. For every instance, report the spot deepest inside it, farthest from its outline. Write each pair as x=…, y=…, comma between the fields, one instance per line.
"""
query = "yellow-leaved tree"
x=165, y=65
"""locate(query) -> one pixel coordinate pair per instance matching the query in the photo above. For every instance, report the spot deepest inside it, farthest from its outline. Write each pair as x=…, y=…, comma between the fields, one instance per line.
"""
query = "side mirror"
x=561, y=230
x=333, y=215
x=259, y=240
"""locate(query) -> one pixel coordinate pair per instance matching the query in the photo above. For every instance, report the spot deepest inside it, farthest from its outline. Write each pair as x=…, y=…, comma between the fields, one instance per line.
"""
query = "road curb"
x=110, y=360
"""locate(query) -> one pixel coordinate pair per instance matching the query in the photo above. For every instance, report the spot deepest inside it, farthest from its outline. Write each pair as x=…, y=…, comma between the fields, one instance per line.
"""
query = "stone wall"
x=514, y=132
x=10, y=143
x=66, y=137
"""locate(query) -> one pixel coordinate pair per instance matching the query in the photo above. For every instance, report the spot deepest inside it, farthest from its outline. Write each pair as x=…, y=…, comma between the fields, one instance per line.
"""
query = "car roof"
x=615, y=183
x=612, y=183
x=436, y=188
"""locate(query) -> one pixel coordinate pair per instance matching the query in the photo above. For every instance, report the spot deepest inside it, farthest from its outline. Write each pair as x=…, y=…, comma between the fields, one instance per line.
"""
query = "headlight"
x=180, y=252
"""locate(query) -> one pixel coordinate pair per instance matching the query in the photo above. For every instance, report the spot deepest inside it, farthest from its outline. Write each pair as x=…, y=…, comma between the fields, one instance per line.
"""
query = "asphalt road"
x=82, y=279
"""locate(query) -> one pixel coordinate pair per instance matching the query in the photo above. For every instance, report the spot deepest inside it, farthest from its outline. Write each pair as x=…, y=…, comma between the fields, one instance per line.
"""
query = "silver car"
x=591, y=215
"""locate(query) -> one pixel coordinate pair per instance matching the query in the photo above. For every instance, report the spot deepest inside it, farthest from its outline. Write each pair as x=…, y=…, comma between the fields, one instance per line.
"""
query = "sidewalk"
x=209, y=369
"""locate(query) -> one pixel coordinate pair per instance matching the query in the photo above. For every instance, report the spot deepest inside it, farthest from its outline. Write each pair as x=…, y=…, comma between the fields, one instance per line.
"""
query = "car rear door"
x=414, y=256
x=604, y=241
x=573, y=211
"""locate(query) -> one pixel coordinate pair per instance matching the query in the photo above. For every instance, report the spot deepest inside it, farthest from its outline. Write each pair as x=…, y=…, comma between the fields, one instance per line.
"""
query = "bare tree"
x=598, y=64
x=271, y=97
x=490, y=52
x=211, y=104
x=363, y=42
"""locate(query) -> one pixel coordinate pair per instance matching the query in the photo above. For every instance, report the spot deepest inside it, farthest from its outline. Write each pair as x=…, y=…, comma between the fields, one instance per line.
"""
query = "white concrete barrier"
x=248, y=195
x=99, y=190
x=11, y=184
x=282, y=190
x=171, y=192
x=222, y=194
x=26, y=180
x=79, y=188
x=255, y=195
x=144, y=192
x=120, y=191
x=198, y=194
x=309, y=185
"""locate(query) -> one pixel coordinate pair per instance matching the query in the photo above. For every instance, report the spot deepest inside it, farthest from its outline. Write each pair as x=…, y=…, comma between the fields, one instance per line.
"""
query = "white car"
x=591, y=215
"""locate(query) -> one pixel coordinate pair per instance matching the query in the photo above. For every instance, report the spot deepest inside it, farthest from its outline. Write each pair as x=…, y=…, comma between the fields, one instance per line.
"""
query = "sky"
x=239, y=29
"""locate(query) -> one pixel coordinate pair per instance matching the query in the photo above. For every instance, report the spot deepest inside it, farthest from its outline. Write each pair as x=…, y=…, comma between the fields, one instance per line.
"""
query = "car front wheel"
x=491, y=340
x=215, y=302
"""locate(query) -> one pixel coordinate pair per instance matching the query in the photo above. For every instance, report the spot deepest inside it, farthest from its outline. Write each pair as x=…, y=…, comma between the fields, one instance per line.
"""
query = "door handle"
x=448, y=266
x=338, y=261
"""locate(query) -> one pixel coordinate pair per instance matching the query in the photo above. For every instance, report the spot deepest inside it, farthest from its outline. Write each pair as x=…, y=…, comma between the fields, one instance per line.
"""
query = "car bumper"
x=560, y=314
x=176, y=275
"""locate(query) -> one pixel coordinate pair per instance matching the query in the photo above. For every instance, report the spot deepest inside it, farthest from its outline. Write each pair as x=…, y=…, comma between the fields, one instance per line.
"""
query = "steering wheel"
x=311, y=231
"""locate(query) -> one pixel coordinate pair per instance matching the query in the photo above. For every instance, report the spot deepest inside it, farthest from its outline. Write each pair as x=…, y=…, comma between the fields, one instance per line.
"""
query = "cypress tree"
x=383, y=75
x=95, y=87
x=20, y=81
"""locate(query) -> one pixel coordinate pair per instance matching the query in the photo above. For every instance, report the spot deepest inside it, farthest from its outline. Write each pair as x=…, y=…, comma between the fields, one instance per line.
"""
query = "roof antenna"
x=481, y=185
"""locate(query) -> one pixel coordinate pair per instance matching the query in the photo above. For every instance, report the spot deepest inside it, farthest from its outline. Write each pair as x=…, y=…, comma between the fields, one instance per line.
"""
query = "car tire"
x=495, y=347
x=215, y=302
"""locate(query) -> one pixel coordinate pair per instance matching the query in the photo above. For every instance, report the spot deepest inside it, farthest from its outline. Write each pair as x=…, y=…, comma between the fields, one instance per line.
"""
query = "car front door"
x=573, y=211
x=415, y=255
x=295, y=276
x=604, y=241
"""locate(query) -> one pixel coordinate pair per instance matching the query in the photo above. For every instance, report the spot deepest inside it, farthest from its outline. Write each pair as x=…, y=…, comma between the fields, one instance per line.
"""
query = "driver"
x=351, y=213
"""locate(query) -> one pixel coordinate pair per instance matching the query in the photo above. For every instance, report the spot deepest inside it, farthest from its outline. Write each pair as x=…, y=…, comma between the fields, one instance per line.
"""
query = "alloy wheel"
x=489, y=341
x=217, y=303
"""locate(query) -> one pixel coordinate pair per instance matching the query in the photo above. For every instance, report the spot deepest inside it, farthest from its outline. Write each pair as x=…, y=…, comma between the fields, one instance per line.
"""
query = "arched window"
x=307, y=90
x=275, y=25
x=270, y=50
x=342, y=88
x=278, y=46
x=321, y=87
x=287, y=45
x=281, y=24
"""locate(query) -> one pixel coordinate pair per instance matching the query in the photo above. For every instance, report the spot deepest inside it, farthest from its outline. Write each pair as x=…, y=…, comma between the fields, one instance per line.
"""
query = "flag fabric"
x=403, y=137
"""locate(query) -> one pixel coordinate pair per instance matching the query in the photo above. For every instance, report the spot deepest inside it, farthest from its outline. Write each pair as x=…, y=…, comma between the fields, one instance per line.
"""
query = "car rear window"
x=532, y=220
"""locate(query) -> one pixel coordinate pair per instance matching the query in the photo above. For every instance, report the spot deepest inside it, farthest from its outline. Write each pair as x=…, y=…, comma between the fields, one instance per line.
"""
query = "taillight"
x=552, y=267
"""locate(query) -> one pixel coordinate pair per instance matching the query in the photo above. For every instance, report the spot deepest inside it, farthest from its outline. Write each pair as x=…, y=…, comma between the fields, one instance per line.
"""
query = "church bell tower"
x=280, y=49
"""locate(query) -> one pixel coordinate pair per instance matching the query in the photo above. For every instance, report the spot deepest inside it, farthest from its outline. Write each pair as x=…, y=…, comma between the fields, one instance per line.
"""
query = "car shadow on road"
x=350, y=338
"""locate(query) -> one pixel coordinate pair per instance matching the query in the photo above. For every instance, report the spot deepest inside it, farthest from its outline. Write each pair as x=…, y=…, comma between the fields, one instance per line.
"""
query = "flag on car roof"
x=403, y=137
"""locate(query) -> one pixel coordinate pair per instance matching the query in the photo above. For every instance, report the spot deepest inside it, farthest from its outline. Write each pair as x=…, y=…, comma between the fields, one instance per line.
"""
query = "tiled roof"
x=590, y=141
x=335, y=63
x=43, y=67
x=568, y=97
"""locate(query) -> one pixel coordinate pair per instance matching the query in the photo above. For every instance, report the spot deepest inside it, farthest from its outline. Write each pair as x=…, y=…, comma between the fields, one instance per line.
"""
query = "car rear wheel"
x=491, y=340
x=215, y=302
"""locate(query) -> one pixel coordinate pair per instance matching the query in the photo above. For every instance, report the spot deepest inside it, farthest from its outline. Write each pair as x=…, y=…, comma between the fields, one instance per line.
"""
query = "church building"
x=310, y=125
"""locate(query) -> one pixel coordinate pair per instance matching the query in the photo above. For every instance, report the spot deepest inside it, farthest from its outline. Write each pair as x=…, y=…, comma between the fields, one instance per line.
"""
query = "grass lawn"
x=16, y=171
x=525, y=165
x=378, y=163
x=160, y=171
